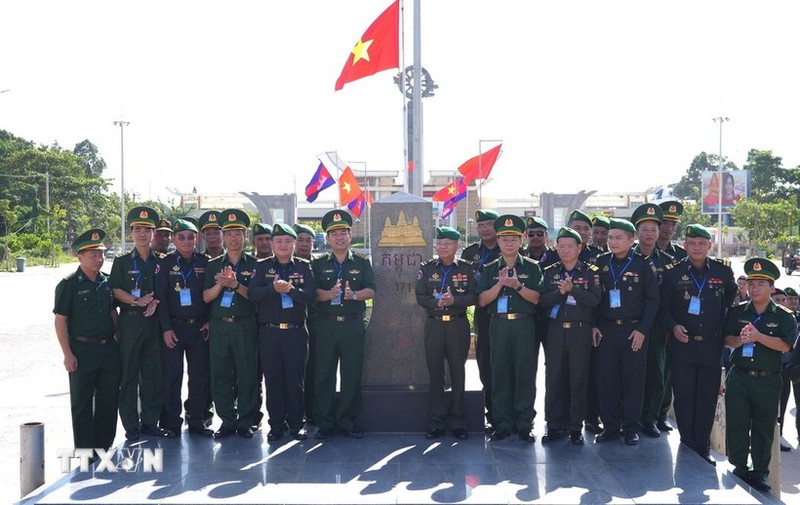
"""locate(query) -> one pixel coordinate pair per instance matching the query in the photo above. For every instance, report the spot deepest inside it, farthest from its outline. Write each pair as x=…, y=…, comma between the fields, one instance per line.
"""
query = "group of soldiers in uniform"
x=625, y=324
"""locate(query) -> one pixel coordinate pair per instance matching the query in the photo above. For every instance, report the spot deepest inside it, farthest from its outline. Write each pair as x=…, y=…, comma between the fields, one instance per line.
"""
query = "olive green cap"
x=485, y=215
x=620, y=224
x=672, y=210
x=509, y=224
x=210, y=219
x=790, y=292
x=192, y=220
x=532, y=222
x=91, y=239
x=446, y=232
x=279, y=229
x=234, y=219
x=600, y=222
x=165, y=225
x=303, y=228
x=697, y=231
x=183, y=224
x=569, y=233
x=142, y=216
x=577, y=215
x=647, y=212
x=335, y=219
x=262, y=229
x=761, y=268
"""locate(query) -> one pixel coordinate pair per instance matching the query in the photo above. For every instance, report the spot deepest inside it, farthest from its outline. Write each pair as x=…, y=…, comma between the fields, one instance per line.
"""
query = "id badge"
x=694, y=305
x=136, y=293
x=477, y=277
x=436, y=295
x=186, y=297
x=554, y=311
x=747, y=350
x=571, y=300
x=502, y=305
x=227, y=299
x=614, y=299
x=286, y=301
x=337, y=300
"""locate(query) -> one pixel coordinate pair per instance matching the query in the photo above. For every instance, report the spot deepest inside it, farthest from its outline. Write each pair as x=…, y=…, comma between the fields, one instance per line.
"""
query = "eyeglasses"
x=181, y=237
x=536, y=234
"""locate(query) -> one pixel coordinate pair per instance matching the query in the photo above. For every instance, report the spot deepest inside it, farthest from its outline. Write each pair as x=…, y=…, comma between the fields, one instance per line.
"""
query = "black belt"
x=446, y=317
x=132, y=312
x=573, y=324
x=233, y=319
x=697, y=338
x=757, y=373
x=620, y=322
x=189, y=320
x=98, y=341
x=513, y=315
x=340, y=318
x=282, y=326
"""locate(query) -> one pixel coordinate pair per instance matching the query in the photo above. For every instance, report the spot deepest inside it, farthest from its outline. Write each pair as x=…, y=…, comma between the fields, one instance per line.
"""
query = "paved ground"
x=378, y=469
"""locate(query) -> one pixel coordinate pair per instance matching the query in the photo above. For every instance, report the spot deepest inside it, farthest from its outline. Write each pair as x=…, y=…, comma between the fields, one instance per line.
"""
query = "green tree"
x=765, y=222
x=90, y=159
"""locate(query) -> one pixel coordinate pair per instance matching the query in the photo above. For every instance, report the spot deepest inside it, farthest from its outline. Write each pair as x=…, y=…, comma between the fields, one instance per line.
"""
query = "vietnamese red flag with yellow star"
x=480, y=166
x=376, y=50
x=455, y=188
x=349, y=189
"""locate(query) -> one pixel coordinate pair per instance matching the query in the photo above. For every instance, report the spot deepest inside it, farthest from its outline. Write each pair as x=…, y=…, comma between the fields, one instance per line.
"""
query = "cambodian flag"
x=322, y=179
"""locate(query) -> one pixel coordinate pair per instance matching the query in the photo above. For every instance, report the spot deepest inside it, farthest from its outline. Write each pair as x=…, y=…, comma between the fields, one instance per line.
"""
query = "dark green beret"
x=485, y=215
x=91, y=239
x=210, y=219
x=761, y=268
x=336, y=219
x=446, y=232
x=302, y=228
x=569, y=233
x=697, y=231
x=672, y=210
x=234, y=219
x=184, y=224
x=790, y=292
x=142, y=216
x=647, y=212
x=164, y=224
x=535, y=222
x=192, y=220
x=600, y=222
x=577, y=215
x=620, y=224
x=279, y=229
x=262, y=229
x=509, y=224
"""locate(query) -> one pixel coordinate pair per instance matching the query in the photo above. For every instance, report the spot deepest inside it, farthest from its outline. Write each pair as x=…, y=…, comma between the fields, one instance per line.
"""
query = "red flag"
x=349, y=189
x=357, y=205
x=322, y=179
x=455, y=188
x=480, y=167
x=376, y=50
x=410, y=165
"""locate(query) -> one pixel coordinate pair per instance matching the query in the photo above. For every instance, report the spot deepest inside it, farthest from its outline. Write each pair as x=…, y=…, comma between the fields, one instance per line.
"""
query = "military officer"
x=211, y=230
x=510, y=287
x=600, y=226
x=647, y=218
x=571, y=292
x=184, y=327
x=536, y=231
x=445, y=288
x=303, y=248
x=233, y=345
x=282, y=287
x=598, y=246
x=582, y=223
x=162, y=237
x=626, y=314
x=696, y=293
x=672, y=211
x=85, y=322
x=133, y=283
x=480, y=254
x=758, y=331
x=344, y=282
x=262, y=240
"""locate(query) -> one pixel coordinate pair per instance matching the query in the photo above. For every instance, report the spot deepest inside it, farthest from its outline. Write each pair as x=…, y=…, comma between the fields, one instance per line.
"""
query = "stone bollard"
x=31, y=457
x=774, y=478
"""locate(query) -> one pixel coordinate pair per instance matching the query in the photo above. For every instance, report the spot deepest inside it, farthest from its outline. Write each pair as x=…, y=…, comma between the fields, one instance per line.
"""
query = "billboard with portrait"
x=735, y=186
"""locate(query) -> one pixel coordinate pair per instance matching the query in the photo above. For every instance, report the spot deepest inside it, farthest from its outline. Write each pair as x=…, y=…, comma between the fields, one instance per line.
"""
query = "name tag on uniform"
x=614, y=299
x=747, y=350
x=186, y=297
x=694, y=305
x=286, y=301
x=136, y=293
x=554, y=311
x=227, y=299
x=502, y=304
x=571, y=300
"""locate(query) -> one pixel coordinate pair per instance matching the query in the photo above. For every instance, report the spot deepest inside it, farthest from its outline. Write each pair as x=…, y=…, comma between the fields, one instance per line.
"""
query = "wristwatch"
x=519, y=288
x=355, y=296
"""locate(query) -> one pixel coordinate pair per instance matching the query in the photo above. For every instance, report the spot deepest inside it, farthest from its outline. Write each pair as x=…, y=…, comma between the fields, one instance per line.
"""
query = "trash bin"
x=20, y=264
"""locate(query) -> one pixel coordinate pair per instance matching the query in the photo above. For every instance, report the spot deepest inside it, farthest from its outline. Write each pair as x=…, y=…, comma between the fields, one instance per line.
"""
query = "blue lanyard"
x=699, y=286
x=564, y=273
x=189, y=273
x=484, y=258
x=141, y=272
x=757, y=319
x=339, y=268
x=445, y=273
x=285, y=274
x=614, y=275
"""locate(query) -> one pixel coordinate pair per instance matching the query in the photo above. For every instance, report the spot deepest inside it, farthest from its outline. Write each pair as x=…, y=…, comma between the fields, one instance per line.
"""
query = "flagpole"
x=407, y=184
x=416, y=175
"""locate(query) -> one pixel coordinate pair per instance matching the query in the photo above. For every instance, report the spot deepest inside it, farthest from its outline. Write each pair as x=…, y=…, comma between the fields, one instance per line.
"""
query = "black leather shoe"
x=759, y=482
x=664, y=425
x=631, y=438
x=224, y=432
x=153, y=431
x=353, y=433
x=575, y=438
x=785, y=447
x=300, y=434
x=245, y=432
x=132, y=435
x=434, y=433
x=527, y=436
x=275, y=434
x=552, y=435
x=171, y=433
x=460, y=434
x=200, y=430
x=323, y=433
x=707, y=458
x=651, y=431
x=606, y=435
x=592, y=427
x=500, y=434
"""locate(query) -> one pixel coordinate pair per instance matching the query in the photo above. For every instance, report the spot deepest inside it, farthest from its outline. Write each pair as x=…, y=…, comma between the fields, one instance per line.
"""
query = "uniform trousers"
x=655, y=383
x=94, y=394
x=695, y=387
x=233, y=348
x=483, y=357
x=283, y=360
x=567, y=375
x=446, y=342
x=193, y=346
x=140, y=344
x=512, y=349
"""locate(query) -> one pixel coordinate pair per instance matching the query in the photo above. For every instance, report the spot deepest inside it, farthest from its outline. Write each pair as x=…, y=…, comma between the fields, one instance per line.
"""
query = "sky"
x=239, y=95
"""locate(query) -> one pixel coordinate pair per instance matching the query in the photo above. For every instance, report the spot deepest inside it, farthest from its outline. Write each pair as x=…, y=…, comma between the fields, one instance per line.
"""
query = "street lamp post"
x=122, y=124
x=719, y=120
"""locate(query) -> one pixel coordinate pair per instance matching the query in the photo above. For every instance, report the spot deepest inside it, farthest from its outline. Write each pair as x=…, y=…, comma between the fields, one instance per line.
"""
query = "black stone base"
x=395, y=411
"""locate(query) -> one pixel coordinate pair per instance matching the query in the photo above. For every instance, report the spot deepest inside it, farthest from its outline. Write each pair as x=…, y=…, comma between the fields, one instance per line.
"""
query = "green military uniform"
x=753, y=386
x=599, y=222
x=308, y=393
x=446, y=334
x=140, y=339
x=589, y=253
x=512, y=336
x=233, y=345
x=94, y=386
